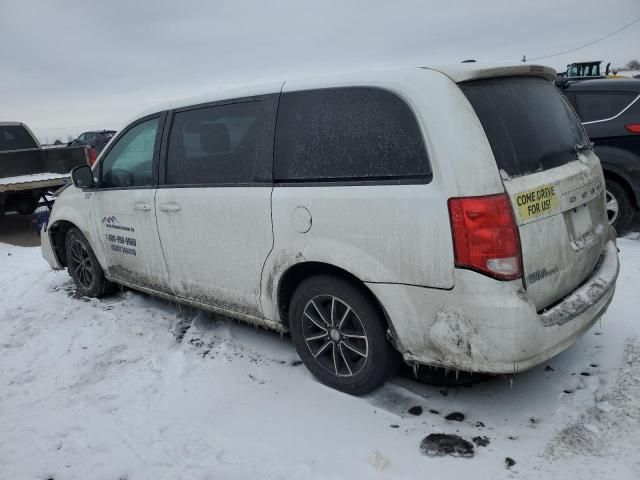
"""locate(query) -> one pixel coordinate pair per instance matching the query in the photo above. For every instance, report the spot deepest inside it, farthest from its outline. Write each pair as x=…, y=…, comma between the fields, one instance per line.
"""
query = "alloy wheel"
x=335, y=335
x=81, y=264
x=613, y=208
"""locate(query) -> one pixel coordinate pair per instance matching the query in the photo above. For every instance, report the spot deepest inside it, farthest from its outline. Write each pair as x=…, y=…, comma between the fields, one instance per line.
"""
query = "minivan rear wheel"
x=340, y=336
x=83, y=266
x=620, y=210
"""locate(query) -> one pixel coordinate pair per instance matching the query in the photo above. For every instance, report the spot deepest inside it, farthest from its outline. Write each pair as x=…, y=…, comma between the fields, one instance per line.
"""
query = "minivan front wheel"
x=340, y=336
x=83, y=266
x=620, y=210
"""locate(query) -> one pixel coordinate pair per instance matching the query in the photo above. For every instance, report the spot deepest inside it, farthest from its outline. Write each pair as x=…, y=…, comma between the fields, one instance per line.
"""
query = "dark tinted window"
x=221, y=144
x=347, y=133
x=130, y=162
x=15, y=137
x=529, y=124
x=599, y=106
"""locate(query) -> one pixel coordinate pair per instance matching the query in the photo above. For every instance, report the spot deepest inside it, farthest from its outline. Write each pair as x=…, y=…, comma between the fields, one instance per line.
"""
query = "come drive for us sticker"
x=536, y=202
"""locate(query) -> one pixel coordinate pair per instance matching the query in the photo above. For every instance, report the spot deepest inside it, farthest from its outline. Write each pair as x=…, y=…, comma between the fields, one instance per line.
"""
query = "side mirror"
x=82, y=177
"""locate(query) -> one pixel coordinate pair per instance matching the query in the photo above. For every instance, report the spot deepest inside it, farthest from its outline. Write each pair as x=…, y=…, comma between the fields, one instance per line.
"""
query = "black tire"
x=617, y=195
x=84, y=268
x=347, y=334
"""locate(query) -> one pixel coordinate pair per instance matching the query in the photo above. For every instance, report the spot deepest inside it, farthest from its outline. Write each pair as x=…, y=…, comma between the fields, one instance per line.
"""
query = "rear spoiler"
x=475, y=71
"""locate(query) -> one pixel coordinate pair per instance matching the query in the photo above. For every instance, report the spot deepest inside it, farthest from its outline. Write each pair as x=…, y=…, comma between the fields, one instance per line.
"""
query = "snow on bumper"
x=47, y=249
x=482, y=325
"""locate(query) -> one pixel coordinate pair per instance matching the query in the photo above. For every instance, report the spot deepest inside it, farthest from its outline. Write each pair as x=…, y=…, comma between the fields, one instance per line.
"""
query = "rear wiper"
x=583, y=147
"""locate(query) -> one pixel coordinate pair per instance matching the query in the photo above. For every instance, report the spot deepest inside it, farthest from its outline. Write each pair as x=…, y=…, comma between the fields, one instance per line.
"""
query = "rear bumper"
x=598, y=288
x=483, y=325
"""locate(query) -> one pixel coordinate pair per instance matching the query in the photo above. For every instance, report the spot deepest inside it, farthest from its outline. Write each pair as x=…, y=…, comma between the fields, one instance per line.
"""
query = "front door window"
x=130, y=162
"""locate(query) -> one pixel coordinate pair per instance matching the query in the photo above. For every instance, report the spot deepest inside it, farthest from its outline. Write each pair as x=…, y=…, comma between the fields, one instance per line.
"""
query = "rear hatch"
x=553, y=179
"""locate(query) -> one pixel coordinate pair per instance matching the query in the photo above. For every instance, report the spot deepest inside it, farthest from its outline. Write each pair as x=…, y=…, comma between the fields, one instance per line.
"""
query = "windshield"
x=529, y=124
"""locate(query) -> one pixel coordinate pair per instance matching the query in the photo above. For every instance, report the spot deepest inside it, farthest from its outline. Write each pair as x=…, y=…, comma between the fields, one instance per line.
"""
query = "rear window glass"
x=352, y=133
x=15, y=137
x=599, y=106
x=529, y=124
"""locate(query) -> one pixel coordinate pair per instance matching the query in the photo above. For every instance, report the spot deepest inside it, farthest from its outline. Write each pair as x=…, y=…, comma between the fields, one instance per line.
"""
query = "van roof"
x=459, y=72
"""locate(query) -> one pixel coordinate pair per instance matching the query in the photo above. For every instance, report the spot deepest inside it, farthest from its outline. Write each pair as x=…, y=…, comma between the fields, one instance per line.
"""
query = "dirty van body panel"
x=372, y=239
x=553, y=178
x=124, y=224
x=216, y=244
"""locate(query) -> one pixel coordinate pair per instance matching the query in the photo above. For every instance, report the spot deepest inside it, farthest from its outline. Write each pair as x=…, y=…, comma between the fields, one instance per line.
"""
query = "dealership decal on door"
x=121, y=238
x=537, y=202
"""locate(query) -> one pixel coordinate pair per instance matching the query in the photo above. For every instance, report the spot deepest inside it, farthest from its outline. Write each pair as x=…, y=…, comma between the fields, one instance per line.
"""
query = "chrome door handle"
x=170, y=207
x=145, y=207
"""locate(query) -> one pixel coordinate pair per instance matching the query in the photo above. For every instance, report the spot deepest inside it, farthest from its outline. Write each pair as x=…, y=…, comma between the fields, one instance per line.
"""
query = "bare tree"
x=633, y=65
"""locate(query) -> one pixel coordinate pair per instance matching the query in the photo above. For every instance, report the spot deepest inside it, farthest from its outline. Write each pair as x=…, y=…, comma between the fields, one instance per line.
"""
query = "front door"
x=214, y=211
x=124, y=204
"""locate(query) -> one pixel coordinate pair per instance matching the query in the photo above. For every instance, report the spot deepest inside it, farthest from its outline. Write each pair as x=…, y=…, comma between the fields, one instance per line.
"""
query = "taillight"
x=633, y=127
x=92, y=155
x=485, y=235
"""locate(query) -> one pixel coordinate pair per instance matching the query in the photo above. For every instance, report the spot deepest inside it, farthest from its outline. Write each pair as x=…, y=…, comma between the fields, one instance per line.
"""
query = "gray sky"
x=68, y=66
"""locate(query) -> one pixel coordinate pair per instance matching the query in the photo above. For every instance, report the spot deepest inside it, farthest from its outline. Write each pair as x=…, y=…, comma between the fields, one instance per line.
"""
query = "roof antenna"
x=469, y=61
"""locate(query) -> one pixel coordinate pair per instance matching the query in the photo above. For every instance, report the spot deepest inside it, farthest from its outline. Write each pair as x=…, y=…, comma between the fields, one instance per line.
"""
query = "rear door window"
x=529, y=124
x=353, y=133
x=222, y=144
x=600, y=106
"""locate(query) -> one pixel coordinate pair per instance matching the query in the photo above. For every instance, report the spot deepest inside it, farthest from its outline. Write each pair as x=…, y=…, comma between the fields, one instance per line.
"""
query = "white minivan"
x=452, y=217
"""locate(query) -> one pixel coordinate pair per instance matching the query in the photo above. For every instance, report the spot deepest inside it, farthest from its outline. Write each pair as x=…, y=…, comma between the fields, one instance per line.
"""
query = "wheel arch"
x=58, y=235
x=297, y=273
x=624, y=183
x=610, y=159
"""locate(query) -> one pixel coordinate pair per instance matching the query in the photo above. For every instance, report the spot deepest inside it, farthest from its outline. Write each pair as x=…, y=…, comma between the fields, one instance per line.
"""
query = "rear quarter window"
x=354, y=133
x=529, y=124
x=600, y=106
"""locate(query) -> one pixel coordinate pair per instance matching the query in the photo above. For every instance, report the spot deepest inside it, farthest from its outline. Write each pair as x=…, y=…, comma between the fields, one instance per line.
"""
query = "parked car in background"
x=28, y=172
x=610, y=112
x=448, y=216
x=97, y=139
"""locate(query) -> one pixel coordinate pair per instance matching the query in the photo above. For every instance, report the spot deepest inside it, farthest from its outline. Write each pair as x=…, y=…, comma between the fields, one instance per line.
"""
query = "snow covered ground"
x=131, y=387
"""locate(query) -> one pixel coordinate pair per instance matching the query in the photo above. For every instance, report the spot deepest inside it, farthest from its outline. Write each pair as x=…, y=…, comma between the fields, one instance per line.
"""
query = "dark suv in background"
x=97, y=140
x=610, y=112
